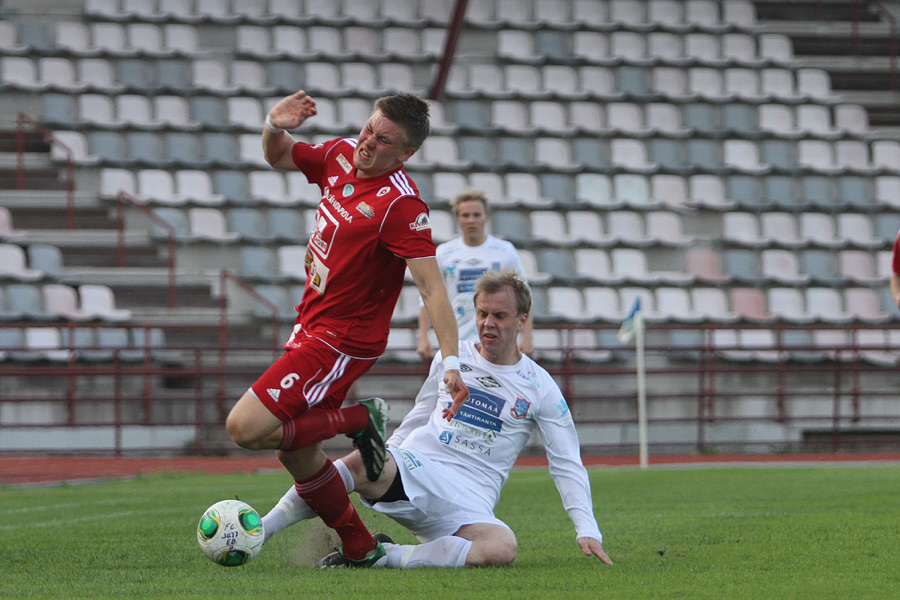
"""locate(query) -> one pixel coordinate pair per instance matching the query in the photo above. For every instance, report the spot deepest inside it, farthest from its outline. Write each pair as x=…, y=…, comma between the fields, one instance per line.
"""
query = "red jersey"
x=895, y=256
x=366, y=228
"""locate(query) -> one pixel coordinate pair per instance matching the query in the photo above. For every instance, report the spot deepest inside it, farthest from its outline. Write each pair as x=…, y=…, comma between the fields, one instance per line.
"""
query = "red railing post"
x=453, y=31
x=46, y=134
x=20, y=152
x=893, y=40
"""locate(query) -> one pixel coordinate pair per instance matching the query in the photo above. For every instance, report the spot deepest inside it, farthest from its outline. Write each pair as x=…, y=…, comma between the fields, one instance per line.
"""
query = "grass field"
x=723, y=533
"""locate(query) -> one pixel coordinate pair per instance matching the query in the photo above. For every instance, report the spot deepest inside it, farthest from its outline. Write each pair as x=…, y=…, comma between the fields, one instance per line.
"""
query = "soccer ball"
x=230, y=533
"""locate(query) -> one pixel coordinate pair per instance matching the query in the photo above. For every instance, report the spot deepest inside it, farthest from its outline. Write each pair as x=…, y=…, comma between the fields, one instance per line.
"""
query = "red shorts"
x=310, y=373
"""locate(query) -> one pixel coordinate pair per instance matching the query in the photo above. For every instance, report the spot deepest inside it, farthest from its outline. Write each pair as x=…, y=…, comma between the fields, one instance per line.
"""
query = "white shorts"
x=434, y=509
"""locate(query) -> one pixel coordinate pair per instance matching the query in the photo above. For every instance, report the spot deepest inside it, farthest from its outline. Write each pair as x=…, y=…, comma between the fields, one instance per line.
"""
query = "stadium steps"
x=91, y=255
x=823, y=37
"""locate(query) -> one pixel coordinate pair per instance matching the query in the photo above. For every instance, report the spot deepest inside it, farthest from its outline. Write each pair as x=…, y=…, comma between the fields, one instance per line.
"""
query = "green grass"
x=723, y=533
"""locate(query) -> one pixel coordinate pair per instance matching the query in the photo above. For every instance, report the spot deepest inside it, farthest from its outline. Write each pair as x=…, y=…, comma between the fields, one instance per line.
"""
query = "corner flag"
x=633, y=329
x=629, y=325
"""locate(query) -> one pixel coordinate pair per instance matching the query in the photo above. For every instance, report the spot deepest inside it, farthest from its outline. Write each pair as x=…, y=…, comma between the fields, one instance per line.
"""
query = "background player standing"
x=463, y=260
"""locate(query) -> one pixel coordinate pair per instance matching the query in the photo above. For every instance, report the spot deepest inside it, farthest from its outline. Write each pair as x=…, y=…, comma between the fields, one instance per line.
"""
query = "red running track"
x=34, y=470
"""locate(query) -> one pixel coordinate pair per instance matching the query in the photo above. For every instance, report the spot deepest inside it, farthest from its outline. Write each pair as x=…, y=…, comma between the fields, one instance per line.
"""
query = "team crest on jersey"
x=332, y=179
x=383, y=191
x=489, y=382
x=345, y=164
x=520, y=408
x=421, y=223
x=348, y=190
x=366, y=210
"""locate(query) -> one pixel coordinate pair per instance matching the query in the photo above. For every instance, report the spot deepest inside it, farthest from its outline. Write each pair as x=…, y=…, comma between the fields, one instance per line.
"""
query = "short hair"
x=469, y=195
x=494, y=281
x=409, y=112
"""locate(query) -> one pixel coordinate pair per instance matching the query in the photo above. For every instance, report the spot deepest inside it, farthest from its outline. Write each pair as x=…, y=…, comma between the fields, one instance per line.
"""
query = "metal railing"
x=124, y=198
x=717, y=396
x=885, y=14
x=23, y=120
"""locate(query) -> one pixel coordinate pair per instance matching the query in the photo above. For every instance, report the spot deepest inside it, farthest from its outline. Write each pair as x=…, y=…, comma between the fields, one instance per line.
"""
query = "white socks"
x=447, y=551
x=292, y=509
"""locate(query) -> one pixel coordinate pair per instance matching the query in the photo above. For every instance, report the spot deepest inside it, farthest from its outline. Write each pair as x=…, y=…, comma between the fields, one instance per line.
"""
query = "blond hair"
x=468, y=196
x=492, y=282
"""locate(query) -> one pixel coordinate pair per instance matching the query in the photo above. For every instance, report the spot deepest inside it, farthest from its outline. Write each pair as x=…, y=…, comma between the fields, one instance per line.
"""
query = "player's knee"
x=499, y=552
x=504, y=554
x=242, y=435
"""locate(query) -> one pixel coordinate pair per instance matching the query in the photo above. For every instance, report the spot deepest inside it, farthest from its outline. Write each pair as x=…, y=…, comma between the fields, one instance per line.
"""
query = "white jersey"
x=462, y=265
x=476, y=450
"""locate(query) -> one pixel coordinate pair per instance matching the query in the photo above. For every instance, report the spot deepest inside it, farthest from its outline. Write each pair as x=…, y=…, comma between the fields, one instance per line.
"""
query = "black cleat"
x=376, y=560
x=370, y=441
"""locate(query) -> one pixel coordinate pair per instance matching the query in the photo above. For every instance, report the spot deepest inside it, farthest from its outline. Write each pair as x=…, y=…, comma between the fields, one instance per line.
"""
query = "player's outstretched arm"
x=427, y=275
x=288, y=113
x=592, y=547
x=895, y=288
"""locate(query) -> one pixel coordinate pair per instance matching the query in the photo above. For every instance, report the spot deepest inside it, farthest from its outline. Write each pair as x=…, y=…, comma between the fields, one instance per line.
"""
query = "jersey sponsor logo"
x=345, y=164
x=332, y=180
x=520, y=408
x=467, y=279
x=565, y=416
x=274, y=393
x=482, y=410
x=383, y=191
x=318, y=272
x=529, y=376
x=366, y=210
x=421, y=223
x=489, y=382
x=464, y=368
x=412, y=463
x=336, y=205
x=326, y=228
x=471, y=274
x=459, y=442
x=348, y=190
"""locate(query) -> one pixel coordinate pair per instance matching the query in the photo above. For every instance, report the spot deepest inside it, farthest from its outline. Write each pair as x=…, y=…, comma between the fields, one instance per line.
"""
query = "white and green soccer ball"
x=230, y=533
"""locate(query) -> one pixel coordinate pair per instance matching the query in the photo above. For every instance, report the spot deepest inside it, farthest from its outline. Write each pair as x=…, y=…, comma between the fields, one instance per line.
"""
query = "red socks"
x=326, y=495
x=318, y=425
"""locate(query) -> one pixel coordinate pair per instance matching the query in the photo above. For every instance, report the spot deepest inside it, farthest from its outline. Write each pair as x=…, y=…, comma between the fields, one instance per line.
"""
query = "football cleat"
x=376, y=560
x=370, y=441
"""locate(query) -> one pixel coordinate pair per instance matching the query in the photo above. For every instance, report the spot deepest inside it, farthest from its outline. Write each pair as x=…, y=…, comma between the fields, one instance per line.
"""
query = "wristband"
x=271, y=127
x=451, y=363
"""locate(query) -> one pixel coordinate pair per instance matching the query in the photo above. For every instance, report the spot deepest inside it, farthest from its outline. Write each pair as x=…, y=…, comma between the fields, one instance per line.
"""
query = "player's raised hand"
x=592, y=547
x=457, y=390
x=291, y=111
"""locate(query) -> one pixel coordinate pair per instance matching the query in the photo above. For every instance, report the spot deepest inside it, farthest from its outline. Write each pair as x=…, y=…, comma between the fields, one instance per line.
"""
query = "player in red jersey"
x=370, y=226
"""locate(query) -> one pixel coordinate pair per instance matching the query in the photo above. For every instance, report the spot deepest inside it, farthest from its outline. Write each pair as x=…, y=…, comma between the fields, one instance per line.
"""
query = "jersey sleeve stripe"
x=402, y=183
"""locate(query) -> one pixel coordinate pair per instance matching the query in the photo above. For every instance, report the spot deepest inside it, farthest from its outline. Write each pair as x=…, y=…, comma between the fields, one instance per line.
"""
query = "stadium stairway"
x=858, y=62
x=90, y=253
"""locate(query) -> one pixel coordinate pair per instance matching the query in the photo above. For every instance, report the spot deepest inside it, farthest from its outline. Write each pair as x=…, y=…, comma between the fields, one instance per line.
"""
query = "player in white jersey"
x=462, y=261
x=443, y=478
